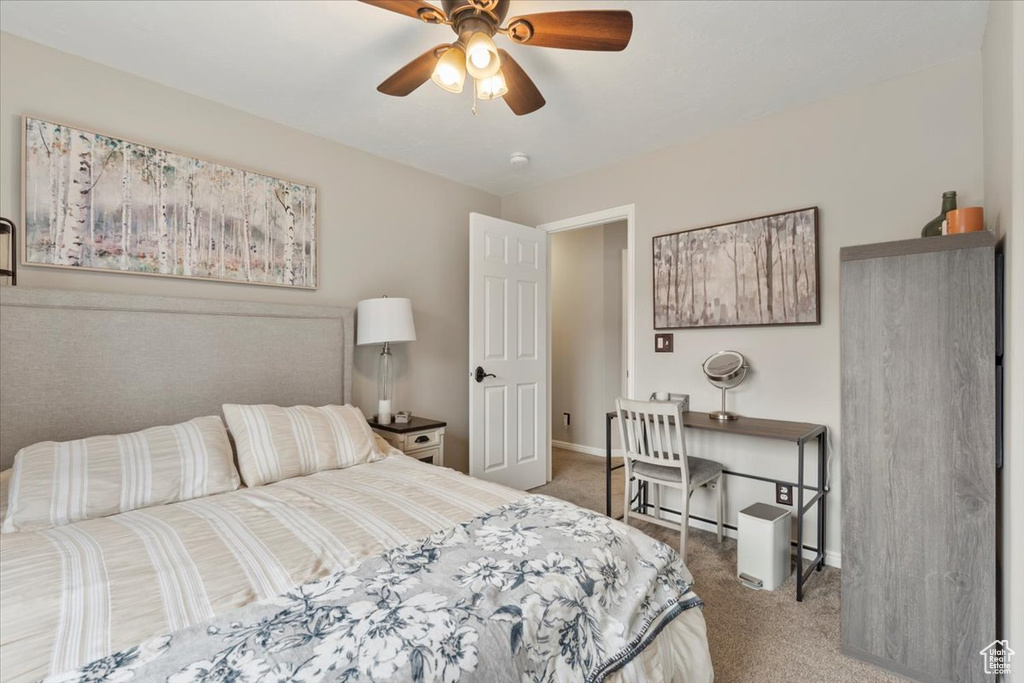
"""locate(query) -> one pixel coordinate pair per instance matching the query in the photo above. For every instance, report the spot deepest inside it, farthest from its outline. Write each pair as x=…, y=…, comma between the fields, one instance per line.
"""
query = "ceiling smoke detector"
x=519, y=159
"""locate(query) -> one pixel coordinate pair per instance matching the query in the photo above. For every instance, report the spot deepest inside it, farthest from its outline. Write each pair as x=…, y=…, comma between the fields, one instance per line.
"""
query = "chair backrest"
x=652, y=432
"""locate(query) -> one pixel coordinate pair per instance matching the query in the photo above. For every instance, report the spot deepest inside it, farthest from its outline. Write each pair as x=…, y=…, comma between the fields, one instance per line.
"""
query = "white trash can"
x=763, y=555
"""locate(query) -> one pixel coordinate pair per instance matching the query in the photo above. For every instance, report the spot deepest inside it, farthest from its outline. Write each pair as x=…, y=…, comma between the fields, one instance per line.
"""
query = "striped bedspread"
x=80, y=592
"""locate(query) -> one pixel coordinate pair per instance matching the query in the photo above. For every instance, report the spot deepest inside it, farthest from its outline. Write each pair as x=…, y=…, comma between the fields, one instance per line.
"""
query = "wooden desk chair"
x=655, y=452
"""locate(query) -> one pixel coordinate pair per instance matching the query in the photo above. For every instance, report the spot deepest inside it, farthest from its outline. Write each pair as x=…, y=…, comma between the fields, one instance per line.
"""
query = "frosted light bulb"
x=480, y=58
x=448, y=75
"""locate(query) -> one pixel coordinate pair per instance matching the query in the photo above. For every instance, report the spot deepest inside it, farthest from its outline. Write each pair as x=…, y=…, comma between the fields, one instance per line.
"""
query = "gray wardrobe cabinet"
x=919, y=455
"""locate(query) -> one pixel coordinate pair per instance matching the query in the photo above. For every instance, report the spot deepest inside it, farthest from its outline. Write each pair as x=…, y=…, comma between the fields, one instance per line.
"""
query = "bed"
x=393, y=570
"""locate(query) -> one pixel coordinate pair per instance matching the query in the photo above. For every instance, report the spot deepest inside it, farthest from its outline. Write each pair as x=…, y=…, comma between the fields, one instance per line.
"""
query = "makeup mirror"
x=725, y=370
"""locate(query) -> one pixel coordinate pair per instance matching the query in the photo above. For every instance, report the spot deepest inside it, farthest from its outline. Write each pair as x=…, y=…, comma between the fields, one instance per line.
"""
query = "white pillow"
x=275, y=443
x=53, y=484
x=5, y=479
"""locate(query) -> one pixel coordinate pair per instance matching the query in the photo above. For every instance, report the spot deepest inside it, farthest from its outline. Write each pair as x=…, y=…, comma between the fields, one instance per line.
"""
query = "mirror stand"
x=723, y=414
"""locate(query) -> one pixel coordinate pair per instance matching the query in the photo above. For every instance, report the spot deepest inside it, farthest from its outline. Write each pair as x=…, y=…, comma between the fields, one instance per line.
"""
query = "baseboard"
x=586, y=450
x=889, y=665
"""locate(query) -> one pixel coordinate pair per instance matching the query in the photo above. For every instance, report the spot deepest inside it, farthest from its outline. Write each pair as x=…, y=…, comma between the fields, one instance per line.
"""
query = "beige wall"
x=586, y=330
x=875, y=161
x=1003, y=97
x=384, y=228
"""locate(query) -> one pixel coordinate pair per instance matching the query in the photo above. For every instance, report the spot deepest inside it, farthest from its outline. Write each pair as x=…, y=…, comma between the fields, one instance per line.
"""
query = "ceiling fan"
x=495, y=74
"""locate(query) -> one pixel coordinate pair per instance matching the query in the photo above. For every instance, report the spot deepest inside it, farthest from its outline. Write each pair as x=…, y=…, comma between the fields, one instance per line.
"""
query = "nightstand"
x=419, y=438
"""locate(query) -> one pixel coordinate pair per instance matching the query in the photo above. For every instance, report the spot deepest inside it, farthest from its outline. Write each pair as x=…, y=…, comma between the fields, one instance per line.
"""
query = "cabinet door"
x=918, y=462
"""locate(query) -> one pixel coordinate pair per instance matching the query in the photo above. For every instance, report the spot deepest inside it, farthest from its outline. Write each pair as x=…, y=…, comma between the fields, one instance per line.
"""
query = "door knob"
x=480, y=375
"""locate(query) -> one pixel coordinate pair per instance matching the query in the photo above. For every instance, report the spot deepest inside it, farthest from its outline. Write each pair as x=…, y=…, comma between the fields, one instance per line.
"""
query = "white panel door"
x=508, y=299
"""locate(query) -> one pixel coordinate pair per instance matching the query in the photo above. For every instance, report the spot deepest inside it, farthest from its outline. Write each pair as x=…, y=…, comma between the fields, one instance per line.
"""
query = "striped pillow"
x=53, y=484
x=275, y=443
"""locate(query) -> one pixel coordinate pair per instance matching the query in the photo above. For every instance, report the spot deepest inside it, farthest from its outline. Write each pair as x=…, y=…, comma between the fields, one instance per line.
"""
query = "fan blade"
x=605, y=30
x=522, y=96
x=412, y=75
x=411, y=8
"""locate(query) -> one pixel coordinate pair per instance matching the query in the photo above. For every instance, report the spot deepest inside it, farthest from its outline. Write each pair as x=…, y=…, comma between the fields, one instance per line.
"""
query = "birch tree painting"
x=97, y=202
x=762, y=271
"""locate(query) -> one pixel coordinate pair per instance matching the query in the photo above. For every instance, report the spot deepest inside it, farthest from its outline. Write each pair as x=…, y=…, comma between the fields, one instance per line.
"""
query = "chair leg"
x=721, y=506
x=625, y=501
x=657, y=499
x=684, y=525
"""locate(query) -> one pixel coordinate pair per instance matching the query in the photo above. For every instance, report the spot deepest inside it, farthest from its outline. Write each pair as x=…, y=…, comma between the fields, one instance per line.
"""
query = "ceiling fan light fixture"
x=495, y=72
x=482, y=59
x=450, y=71
x=492, y=87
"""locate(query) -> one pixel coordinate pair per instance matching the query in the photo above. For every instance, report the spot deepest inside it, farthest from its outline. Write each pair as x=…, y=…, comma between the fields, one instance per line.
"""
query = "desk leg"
x=822, y=464
x=800, y=522
x=608, y=465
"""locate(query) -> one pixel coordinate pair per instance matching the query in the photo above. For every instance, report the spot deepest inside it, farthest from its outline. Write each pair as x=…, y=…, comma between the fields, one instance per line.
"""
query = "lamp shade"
x=482, y=59
x=450, y=70
x=492, y=87
x=384, y=320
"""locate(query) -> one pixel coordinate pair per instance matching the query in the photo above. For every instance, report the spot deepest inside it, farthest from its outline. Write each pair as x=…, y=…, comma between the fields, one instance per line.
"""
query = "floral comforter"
x=538, y=590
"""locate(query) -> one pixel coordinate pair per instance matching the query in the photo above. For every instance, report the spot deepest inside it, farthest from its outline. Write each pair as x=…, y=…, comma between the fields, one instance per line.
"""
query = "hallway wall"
x=586, y=331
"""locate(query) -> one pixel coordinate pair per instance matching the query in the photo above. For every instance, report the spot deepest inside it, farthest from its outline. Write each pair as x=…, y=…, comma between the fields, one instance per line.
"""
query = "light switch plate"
x=663, y=342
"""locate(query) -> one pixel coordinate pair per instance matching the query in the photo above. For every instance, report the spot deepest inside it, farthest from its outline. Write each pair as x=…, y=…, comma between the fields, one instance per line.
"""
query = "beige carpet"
x=755, y=636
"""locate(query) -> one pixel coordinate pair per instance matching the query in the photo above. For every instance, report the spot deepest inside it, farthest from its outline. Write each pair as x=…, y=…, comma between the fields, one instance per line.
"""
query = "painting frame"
x=316, y=257
x=816, y=261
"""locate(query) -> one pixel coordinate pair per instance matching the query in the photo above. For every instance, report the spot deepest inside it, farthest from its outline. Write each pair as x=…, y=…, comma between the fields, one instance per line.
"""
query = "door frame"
x=627, y=213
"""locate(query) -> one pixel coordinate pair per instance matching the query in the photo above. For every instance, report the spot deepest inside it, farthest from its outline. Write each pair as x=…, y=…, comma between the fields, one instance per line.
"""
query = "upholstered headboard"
x=77, y=364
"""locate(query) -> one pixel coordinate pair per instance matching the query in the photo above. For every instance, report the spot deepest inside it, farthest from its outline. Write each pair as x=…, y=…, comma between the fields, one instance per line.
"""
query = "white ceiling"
x=691, y=68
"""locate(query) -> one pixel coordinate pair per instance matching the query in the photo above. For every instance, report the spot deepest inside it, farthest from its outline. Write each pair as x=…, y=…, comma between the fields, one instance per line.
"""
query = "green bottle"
x=933, y=228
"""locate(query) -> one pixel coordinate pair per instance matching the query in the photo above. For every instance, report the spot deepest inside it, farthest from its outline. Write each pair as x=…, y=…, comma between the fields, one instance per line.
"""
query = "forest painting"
x=98, y=202
x=762, y=271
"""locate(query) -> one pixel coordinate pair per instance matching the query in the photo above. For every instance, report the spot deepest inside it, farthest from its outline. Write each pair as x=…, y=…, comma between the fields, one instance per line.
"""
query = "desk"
x=779, y=430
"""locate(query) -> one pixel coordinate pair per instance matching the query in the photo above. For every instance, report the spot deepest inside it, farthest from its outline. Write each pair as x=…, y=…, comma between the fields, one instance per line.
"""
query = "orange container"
x=968, y=219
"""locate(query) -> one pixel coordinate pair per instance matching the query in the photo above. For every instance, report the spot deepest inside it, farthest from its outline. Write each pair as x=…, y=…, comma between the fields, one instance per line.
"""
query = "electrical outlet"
x=565, y=419
x=783, y=494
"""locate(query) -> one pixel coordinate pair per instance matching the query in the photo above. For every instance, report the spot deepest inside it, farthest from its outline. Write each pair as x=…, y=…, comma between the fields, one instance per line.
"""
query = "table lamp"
x=384, y=321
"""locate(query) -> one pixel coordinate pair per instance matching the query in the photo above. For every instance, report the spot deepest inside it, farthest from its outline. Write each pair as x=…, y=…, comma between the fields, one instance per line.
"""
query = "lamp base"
x=384, y=412
x=384, y=395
